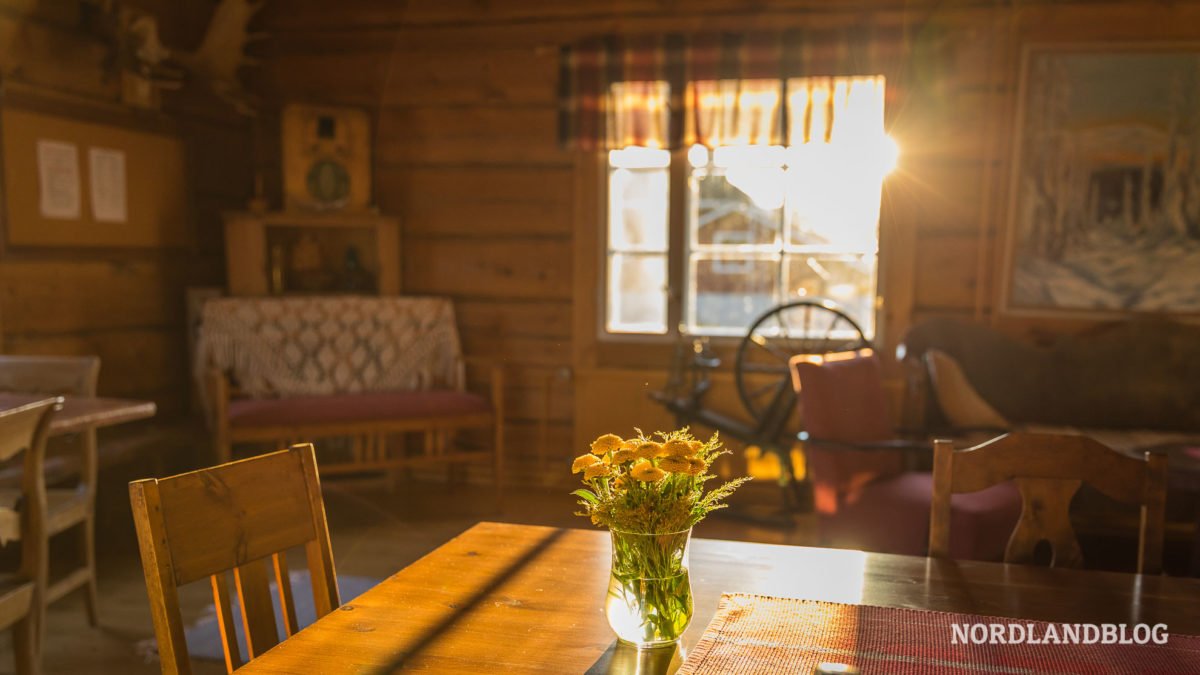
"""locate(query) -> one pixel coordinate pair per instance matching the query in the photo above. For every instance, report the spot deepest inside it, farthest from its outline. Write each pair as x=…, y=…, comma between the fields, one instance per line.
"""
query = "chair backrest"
x=24, y=429
x=240, y=517
x=62, y=375
x=842, y=401
x=1048, y=469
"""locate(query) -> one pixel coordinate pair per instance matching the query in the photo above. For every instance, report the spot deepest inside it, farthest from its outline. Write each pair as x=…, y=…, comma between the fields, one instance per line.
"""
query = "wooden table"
x=516, y=598
x=83, y=412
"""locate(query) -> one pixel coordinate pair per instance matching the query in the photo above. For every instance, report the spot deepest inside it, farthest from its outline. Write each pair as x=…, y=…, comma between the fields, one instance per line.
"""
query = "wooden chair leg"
x=91, y=599
x=224, y=450
x=37, y=609
x=498, y=429
x=498, y=463
x=25, y=649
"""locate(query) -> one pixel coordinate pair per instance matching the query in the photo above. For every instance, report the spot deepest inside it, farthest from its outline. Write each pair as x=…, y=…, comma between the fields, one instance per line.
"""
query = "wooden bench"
x=370, y=370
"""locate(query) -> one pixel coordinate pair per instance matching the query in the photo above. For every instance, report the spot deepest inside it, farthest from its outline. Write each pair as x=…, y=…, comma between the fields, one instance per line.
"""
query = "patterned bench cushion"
x=322, y=345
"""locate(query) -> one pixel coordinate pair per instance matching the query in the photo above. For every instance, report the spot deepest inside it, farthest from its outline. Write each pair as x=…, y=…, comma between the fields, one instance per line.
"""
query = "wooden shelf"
x=252, y=240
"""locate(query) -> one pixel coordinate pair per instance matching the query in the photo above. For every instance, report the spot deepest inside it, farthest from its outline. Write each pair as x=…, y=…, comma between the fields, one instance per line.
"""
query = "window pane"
x=737, y=197
x=831, y=202
x=728, y=215
x=847, y=280
x=637, y=293
x=638, y=207
x=728, y=293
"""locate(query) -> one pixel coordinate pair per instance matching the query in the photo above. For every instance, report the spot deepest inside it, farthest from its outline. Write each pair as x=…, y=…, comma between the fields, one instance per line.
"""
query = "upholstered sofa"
x=370, y=371
x=1138, y=375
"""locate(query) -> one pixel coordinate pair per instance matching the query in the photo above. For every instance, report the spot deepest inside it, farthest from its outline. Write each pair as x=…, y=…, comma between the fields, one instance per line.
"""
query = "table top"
x=80, y=413
x=518, y=598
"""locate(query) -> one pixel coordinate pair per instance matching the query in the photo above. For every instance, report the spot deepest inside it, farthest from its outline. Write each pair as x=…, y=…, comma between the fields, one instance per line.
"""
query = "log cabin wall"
x=498, y=217
x=125, y=305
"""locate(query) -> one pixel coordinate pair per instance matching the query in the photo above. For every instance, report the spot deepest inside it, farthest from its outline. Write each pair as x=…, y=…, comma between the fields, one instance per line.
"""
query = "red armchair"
x=863, y=495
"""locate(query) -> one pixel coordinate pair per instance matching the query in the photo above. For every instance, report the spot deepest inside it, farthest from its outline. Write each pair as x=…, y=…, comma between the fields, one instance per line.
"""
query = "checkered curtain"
x=619, y=91
x=671, y=91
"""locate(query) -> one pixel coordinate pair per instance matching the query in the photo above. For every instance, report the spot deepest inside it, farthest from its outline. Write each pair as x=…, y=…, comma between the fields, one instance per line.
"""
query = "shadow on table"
x=464, y=607
x=623, y=659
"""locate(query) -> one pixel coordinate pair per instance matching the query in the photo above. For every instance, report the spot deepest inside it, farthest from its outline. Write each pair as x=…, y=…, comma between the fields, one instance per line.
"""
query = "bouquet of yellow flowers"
x=649, y=492
x=650, y=485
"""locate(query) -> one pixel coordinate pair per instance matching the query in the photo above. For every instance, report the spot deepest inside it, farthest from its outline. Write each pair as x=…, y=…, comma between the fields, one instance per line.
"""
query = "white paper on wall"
x=58, y=174
x=106, y=170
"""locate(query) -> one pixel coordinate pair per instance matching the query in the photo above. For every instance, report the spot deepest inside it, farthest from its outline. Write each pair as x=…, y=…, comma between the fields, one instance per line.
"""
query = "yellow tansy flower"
x=605, y=444
x=696, y=446
x=621, y=456
x=649, y=450
x=696, y=466
x=675, y=464
x=596, y=470
x=676, y=448
x=582, y=462
x=647, y=472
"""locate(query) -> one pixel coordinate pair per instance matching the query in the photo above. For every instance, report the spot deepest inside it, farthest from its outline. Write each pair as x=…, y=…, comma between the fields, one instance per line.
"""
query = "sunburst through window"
x=764, y=224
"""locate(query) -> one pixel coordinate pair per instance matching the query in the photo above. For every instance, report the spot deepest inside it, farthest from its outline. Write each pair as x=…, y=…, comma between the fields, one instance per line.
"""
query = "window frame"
x=595, y=346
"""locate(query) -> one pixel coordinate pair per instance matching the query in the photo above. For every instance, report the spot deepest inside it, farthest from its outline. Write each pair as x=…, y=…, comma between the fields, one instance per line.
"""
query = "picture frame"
x=1104, y=210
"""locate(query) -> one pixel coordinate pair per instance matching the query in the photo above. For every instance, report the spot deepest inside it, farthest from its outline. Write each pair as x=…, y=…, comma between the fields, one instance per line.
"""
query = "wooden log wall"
x=464, y=95
x=125, y=305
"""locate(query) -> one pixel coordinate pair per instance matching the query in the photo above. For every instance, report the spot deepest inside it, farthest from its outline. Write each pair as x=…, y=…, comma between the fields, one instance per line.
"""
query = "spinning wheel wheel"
x=761, y=372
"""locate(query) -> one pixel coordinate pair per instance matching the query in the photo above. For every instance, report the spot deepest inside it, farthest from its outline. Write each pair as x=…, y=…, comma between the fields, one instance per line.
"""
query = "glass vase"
x=649, y=592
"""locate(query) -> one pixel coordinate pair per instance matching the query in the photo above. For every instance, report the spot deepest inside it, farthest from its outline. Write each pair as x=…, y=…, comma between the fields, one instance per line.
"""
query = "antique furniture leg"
x=1195, y=562
x=91, y=467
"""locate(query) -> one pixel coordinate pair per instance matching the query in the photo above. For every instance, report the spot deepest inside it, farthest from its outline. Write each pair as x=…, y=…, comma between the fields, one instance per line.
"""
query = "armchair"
x=864, y=496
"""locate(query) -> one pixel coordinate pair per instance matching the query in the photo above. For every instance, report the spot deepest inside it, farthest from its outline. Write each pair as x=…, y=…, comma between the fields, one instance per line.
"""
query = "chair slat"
x=233, y=655
x=258, y=612
x=287, y=603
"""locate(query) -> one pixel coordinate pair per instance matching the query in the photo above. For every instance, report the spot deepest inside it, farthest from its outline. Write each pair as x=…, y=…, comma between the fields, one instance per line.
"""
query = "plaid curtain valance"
x=673, y=90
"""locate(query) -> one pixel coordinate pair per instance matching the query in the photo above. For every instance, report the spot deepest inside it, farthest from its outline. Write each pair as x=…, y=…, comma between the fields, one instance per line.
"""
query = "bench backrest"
x=317, y=345
x=1137, y=374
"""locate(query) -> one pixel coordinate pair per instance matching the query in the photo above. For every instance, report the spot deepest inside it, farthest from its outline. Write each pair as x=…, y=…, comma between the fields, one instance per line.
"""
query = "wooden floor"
x=374, y=534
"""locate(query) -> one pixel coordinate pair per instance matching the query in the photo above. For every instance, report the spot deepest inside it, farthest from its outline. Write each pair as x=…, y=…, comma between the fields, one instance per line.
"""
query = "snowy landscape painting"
x=1106, y=215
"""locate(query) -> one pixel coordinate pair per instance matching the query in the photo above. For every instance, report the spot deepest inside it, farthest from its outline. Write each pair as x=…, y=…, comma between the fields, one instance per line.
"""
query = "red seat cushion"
x=892, y=516
x=354, y=408
x=843, y=400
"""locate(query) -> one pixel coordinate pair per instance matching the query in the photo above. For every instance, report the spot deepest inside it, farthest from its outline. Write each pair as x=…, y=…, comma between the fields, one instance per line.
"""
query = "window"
x=763, y=223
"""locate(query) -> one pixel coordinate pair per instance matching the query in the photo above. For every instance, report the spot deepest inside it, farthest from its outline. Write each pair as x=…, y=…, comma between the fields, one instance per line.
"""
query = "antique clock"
x=326, y=158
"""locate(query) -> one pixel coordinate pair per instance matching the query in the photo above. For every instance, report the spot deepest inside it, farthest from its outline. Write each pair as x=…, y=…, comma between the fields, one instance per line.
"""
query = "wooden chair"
x=76, y=505
x=240, y=517
x=22, y=607
x=1048, y=469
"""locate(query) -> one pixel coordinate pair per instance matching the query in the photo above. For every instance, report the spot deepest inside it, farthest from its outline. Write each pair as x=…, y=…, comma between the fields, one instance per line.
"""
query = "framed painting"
x=1104, y=217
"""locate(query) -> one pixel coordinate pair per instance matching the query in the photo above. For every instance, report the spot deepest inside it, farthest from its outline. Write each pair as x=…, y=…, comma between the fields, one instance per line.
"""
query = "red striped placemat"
x=761, y=634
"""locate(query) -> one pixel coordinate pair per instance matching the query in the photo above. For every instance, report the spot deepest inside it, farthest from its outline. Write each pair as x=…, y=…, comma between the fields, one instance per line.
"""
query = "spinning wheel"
x=763, y=379
x=761, y=372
